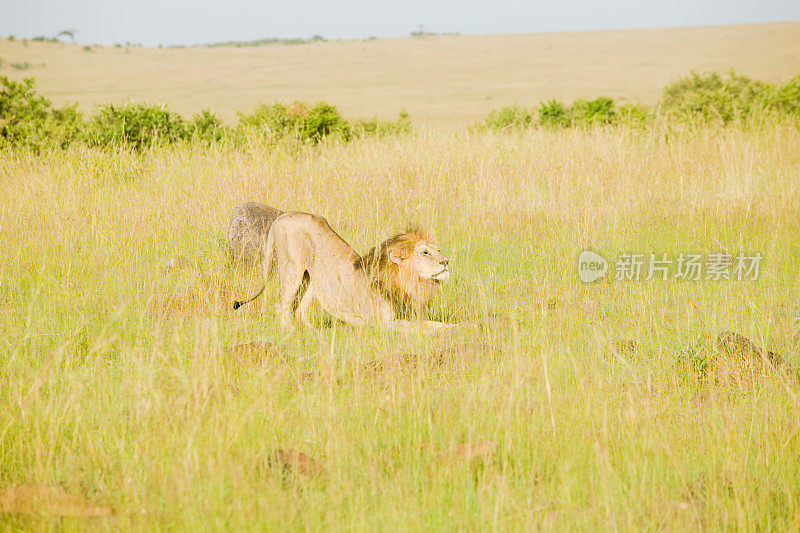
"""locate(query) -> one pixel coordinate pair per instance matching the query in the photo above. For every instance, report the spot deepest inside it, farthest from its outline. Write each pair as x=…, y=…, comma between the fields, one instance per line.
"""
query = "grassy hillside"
x=438, y=78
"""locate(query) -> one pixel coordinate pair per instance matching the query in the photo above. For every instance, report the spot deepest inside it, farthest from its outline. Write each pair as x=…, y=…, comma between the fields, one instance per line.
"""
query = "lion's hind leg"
x=302, y=310
x=291, y=280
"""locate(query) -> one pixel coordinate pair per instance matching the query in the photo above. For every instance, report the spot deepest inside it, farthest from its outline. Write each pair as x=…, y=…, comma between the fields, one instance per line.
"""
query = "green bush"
x=323, y=120
x=553, y=114
x=697, y=97
x=592, y=112
x=136, y=125
x=22, y=112
x=206, y=127
x=509, y=117
x=268, y=120
x=711, y=97
x=298, y=121
x=383, y=128
x=66, y=126
x=633, y=115
x=786, y=98
x=28, y=120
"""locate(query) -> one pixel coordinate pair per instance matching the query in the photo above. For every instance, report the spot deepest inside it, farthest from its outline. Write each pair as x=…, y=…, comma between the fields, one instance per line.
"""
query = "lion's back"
x=311, y=242
x=313, y=229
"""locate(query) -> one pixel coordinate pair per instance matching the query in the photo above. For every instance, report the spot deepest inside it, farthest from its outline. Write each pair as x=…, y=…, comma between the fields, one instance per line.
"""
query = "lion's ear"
x=396, y=256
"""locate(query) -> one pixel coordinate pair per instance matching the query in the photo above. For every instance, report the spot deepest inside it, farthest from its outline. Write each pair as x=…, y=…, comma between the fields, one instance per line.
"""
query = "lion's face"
x=408, y=268
x=425, y=260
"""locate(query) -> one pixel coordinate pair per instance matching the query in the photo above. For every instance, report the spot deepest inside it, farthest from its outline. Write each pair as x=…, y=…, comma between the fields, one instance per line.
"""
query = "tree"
x=68, y=33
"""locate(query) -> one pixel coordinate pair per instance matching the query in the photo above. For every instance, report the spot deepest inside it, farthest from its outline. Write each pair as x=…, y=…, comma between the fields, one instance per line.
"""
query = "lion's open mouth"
x=441, y=276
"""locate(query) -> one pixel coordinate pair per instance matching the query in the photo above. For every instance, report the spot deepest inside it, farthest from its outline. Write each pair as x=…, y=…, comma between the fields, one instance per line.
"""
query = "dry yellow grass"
x=449, y=79
x=121, y=382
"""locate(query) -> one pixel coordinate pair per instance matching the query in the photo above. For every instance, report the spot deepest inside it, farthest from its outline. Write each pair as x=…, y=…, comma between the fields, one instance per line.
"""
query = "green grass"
x=119, y=382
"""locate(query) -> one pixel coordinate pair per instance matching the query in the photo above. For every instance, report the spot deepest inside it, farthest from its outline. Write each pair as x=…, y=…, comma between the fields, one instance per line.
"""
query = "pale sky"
x=167, y=22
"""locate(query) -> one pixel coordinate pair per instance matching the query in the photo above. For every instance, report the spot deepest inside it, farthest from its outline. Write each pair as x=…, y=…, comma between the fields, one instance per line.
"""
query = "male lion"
x=400, y=267
x=303, y=242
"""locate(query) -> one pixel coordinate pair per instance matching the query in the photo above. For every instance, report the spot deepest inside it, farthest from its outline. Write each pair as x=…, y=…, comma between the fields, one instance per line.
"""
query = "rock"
x=44, y=500
x=467, y=451
x=459, y=354
x=295, y=462
x=173, y=263
x=395, y=362
x=470, y=351
x=250, y=222
x=256, y=351
x=623, y=347
x=735, y=345
x=741, y=363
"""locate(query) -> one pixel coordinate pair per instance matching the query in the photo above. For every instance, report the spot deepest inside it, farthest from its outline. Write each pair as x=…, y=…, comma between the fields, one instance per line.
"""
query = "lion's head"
x=408, y=268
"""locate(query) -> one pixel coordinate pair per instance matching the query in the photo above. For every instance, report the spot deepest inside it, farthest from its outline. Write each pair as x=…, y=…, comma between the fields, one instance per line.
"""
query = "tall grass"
x=119, y=379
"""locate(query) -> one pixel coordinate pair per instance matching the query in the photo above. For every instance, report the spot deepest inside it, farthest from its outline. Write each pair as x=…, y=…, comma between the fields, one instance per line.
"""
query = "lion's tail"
x=268, y=250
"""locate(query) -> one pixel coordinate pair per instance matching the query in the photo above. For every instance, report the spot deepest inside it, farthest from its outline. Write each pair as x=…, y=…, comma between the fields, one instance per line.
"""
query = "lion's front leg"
x=440, y=326
x=432, y=326
x=284, y=313
x=426, y=327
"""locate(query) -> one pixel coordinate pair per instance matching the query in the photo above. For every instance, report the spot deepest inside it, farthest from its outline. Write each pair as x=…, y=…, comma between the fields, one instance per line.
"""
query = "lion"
x=305, y=243
x=398, y=268
x=249, y=224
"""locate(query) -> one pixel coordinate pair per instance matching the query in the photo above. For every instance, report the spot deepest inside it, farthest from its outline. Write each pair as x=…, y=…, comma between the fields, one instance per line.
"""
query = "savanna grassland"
x=120, y=379
x=445, y=79
x=601, y=406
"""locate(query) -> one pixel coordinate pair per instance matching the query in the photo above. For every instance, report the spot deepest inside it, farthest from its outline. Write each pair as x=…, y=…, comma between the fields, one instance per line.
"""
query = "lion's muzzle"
x=444, y=275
